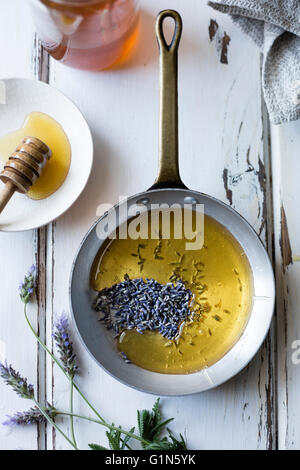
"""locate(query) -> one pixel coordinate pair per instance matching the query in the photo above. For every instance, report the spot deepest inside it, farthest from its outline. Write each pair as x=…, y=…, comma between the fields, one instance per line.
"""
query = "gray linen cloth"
x=275, y=27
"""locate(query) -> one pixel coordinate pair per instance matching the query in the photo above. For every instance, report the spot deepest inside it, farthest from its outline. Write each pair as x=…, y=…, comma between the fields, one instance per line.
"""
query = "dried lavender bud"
x=32, y=416
x=26, y=288
x=145, y=305
x=65, y=346
x=16, y=381
x=125, y=358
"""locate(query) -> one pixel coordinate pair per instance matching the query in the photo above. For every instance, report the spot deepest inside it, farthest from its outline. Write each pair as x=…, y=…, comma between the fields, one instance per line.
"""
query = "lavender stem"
x=60, y=366
x=103, y=423
x=71, y=412
x=50, y=421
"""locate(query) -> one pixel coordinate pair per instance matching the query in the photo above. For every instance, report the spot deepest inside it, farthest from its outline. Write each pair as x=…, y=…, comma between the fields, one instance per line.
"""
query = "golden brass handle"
x=168, y=175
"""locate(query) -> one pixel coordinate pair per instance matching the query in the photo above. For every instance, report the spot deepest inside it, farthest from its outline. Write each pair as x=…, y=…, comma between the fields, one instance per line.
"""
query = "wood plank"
x=286, y=167
x=17, y=250
x=222, y=153
x=43, y=256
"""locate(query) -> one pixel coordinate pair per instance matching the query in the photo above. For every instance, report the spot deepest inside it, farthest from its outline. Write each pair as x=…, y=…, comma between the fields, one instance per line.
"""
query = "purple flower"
x=31, y=269
x=16, y=381
x=64, y=345
x=32, y=416
x=26, y=287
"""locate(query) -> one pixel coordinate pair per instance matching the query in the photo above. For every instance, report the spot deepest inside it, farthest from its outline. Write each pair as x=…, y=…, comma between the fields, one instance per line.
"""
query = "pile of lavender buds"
x=145, y=305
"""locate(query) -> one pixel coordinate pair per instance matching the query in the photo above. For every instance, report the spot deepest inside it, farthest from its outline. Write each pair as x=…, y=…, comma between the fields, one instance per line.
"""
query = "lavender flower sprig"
x=64, y=345
x=32, y=416
x=18, y=383
x=67, y=356
x=68, y=365
x=26, y=287
x=23, y=389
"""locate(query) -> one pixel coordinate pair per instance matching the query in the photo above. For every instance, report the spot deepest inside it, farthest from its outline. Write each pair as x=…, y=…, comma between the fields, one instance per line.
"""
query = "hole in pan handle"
x=177, y=31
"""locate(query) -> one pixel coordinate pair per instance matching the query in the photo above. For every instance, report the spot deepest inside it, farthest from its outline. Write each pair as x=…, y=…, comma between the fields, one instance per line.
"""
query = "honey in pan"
x=48, y=130
x=218, y=275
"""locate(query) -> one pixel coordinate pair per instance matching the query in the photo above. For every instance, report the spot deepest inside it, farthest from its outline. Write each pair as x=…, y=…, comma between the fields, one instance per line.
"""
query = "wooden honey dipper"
x=23, y=168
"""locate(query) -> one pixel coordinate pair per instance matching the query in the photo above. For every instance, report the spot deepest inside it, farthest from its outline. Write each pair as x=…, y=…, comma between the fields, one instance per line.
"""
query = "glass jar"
x=86, y=34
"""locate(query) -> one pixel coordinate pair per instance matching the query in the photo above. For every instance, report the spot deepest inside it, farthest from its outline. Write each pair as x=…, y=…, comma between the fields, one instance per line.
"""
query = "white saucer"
x=18, y=98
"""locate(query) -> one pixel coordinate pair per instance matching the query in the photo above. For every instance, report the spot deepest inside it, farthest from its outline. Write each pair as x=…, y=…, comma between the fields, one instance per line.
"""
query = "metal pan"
x=168, y=188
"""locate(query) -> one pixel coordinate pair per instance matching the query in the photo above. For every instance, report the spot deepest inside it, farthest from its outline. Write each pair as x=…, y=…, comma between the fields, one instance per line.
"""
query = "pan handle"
x=168, y=176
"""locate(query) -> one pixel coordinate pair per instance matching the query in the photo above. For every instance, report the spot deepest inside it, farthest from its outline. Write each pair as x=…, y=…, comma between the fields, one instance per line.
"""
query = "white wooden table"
x=228, y=150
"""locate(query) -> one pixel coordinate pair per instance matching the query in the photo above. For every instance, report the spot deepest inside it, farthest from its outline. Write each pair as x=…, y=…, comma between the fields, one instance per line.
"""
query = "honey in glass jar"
x=87, y=34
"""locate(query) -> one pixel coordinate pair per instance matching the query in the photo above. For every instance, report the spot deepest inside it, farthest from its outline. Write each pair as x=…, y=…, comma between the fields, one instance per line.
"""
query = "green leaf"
x=114, y=439
x=116, y=442
x=157, y=430
x=126, y=439
x=97, y=447
x=156, y=411
x=177, y=445
x=141, y=421
x=151, y=426
x=145, y=424
x=163, y=444
x=166, y=444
